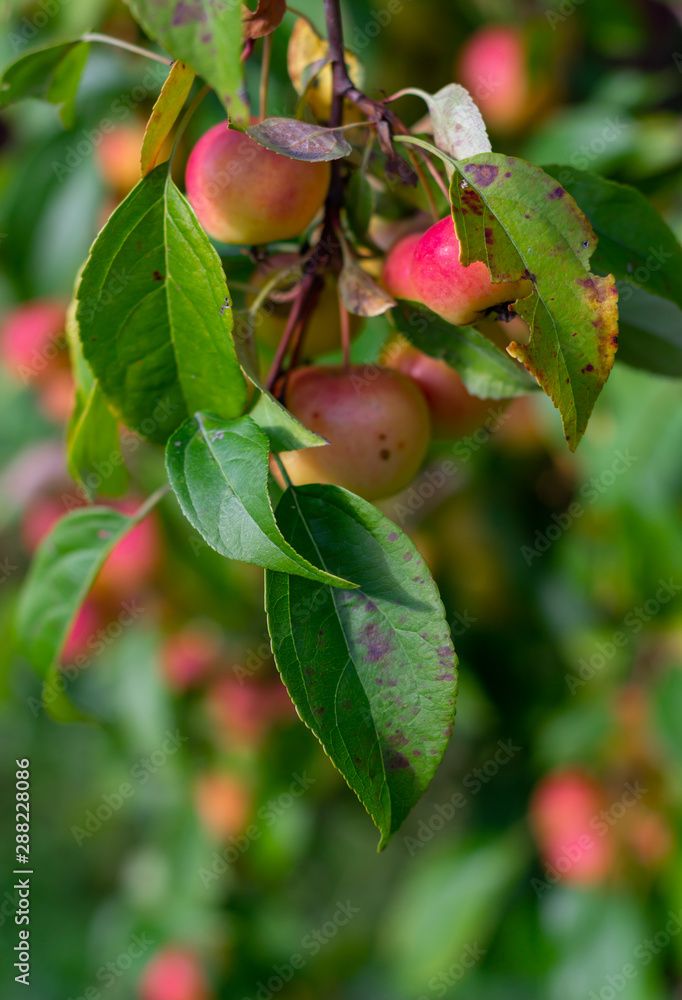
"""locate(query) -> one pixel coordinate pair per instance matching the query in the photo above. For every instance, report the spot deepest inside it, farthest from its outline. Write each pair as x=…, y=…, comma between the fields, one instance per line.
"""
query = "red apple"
x=461, y=295
x=376, y=420
x=244, y=193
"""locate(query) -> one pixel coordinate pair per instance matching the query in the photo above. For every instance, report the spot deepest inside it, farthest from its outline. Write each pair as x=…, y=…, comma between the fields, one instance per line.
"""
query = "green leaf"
x=219, y=472
x=635, y=244
x=53, y=73
x=371, y=671
x=451, y=897
x=300, y=140
x=155, y=316
x=62, y=572
x=207, y=36
x=284, y=431
x=521, y=223
x=94, y=449
x=485, y=370
x=650, y=332
x=164, y=114
x=360, y=203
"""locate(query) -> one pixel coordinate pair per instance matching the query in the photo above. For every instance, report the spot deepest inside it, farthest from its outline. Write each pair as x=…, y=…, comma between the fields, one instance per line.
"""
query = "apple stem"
x=264, y=76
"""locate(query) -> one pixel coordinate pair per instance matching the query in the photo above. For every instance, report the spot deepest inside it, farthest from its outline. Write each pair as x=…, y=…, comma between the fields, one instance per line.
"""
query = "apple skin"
x=461, y=295
x=454, y=411
x=174, y=973
x=323, y=329
x=243, y=193
x=376, y=420
x=396, y=276
x=564, y=816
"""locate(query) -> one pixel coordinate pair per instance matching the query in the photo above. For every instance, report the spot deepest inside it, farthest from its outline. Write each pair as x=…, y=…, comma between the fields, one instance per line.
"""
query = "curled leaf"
x=458, y=127
x=164, y=114
x=300, y=140
x=360, y=293
x=265, y=18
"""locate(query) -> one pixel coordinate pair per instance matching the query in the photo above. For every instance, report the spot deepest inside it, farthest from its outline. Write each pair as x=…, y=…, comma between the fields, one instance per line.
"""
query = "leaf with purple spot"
x=205, y=34
x=522, y=224
x=379, y=691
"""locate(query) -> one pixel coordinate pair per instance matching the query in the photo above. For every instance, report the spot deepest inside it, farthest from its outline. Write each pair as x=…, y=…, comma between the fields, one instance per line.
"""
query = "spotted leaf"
x=372, y=671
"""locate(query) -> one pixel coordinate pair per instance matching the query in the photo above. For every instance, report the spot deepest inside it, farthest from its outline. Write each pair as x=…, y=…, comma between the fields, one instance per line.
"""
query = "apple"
x=396, y=276
x=243, y=193
x=376, y=420
x=454, y=411
x=511, y=87
x=461, y=295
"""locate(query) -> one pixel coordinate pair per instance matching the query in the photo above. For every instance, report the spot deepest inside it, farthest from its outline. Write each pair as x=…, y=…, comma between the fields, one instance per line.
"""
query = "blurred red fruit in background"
x=189, y=656
x=32, y=338
x=243, y=710
x=118, y=156
x=223, y=803
x=135, y=558
x=88, y=621
x=564, y=816
x=174, y=974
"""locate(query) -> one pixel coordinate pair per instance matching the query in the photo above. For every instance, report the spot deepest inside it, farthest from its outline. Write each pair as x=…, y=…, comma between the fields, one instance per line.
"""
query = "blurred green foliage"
x=541, y=671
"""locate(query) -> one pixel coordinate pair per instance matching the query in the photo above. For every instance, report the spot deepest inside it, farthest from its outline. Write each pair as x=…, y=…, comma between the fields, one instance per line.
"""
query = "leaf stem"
x=151, y=501
x=282, y=469
x=119, y=43
x=265, y=76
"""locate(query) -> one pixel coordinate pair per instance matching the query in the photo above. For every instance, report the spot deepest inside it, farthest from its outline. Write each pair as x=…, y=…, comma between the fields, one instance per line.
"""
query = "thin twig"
x=292, y=322
x=119, y=43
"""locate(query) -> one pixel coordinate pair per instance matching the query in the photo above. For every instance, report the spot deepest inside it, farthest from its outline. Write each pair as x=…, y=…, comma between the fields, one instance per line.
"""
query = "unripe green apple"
x=375, y=419
x=243, y=193
x=461, y=295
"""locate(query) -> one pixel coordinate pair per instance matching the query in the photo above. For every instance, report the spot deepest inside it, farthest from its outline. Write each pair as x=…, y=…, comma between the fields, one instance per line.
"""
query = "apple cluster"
x=378, y=419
